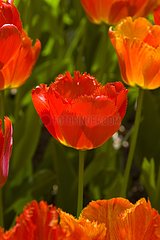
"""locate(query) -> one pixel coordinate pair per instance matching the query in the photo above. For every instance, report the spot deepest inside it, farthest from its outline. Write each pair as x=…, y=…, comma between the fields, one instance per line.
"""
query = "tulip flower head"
x=112, y=219
x=17, y=55
x=137, y=45
x=80, y=112
x=6, y=142
x=112, y=11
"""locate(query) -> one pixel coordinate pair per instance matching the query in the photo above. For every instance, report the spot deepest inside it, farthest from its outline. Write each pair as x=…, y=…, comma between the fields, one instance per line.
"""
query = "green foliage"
x=40, y=167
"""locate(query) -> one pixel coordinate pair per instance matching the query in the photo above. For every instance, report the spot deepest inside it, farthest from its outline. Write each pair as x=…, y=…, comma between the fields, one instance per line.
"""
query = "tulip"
x=5, y=149
x=114, y=219
x=112, y=11
x=80, y=112
x=17, y=55
x=137, y=45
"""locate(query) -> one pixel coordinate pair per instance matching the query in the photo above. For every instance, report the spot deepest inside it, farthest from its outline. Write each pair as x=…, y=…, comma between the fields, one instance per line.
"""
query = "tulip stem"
x=133, y=142
x=80, y=182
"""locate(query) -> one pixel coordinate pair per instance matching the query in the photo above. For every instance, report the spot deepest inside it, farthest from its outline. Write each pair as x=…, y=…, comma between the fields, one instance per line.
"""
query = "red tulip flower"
x=5, y=149
x=112, y=11
x=17, y=55
x=80, y=112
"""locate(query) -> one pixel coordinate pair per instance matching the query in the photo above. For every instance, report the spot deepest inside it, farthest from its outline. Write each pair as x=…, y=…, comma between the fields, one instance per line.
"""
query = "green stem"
x=133, y=142
x=80, y=182
x=2, y=113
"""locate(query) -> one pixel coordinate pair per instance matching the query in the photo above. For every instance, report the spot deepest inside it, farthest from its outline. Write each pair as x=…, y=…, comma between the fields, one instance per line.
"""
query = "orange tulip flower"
x=137, y=45
x=5, y=149
x=114, y=219
x=17, y=55
x=79, y=112
x=124, y=220
x=112, y=11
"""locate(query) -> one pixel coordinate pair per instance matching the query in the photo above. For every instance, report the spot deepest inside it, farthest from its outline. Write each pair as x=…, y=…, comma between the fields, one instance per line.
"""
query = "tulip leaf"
x=148, y=177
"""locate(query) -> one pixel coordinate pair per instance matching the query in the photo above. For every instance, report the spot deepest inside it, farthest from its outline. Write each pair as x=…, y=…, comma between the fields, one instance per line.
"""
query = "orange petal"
x=139, y=222
x=111, y=12
x=93, y=230
x=138, y=51
x=19, y=69
x=107, y=212
x=72, y=230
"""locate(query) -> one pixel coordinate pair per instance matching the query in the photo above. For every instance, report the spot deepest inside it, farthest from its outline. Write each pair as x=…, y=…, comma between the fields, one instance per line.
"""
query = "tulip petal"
x=138, y=51
x=40, y=101
x=9, y=15
x=38, y=221
x=107, y=212
x=111, y=12
x=19, y=69
x=139, y=222
x=6, y=142
x=10, y=42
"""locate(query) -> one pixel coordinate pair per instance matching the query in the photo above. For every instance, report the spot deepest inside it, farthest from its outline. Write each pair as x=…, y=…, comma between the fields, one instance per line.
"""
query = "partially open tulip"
x=137, y=45
x=5, y=149
x=17, y=55
x=112, y=11
x=80, y=112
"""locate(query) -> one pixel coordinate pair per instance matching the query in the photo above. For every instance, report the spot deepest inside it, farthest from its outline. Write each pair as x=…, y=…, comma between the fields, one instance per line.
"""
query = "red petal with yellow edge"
x=9, y=15
x=10, y=42
x=84, y=114
x=139, y=222
x=6, y=142
x=107, y=212
x=19, y=69
x=40, y=101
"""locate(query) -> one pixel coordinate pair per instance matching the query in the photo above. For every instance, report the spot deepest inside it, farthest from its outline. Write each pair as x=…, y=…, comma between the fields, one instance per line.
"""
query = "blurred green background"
x=40, y=167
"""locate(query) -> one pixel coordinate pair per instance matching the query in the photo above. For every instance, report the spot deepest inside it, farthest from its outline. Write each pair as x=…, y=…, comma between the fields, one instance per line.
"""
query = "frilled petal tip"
x=38, y=221
x=124, y=220
x=6, y=142
x=78, y=111
x=115, y=218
